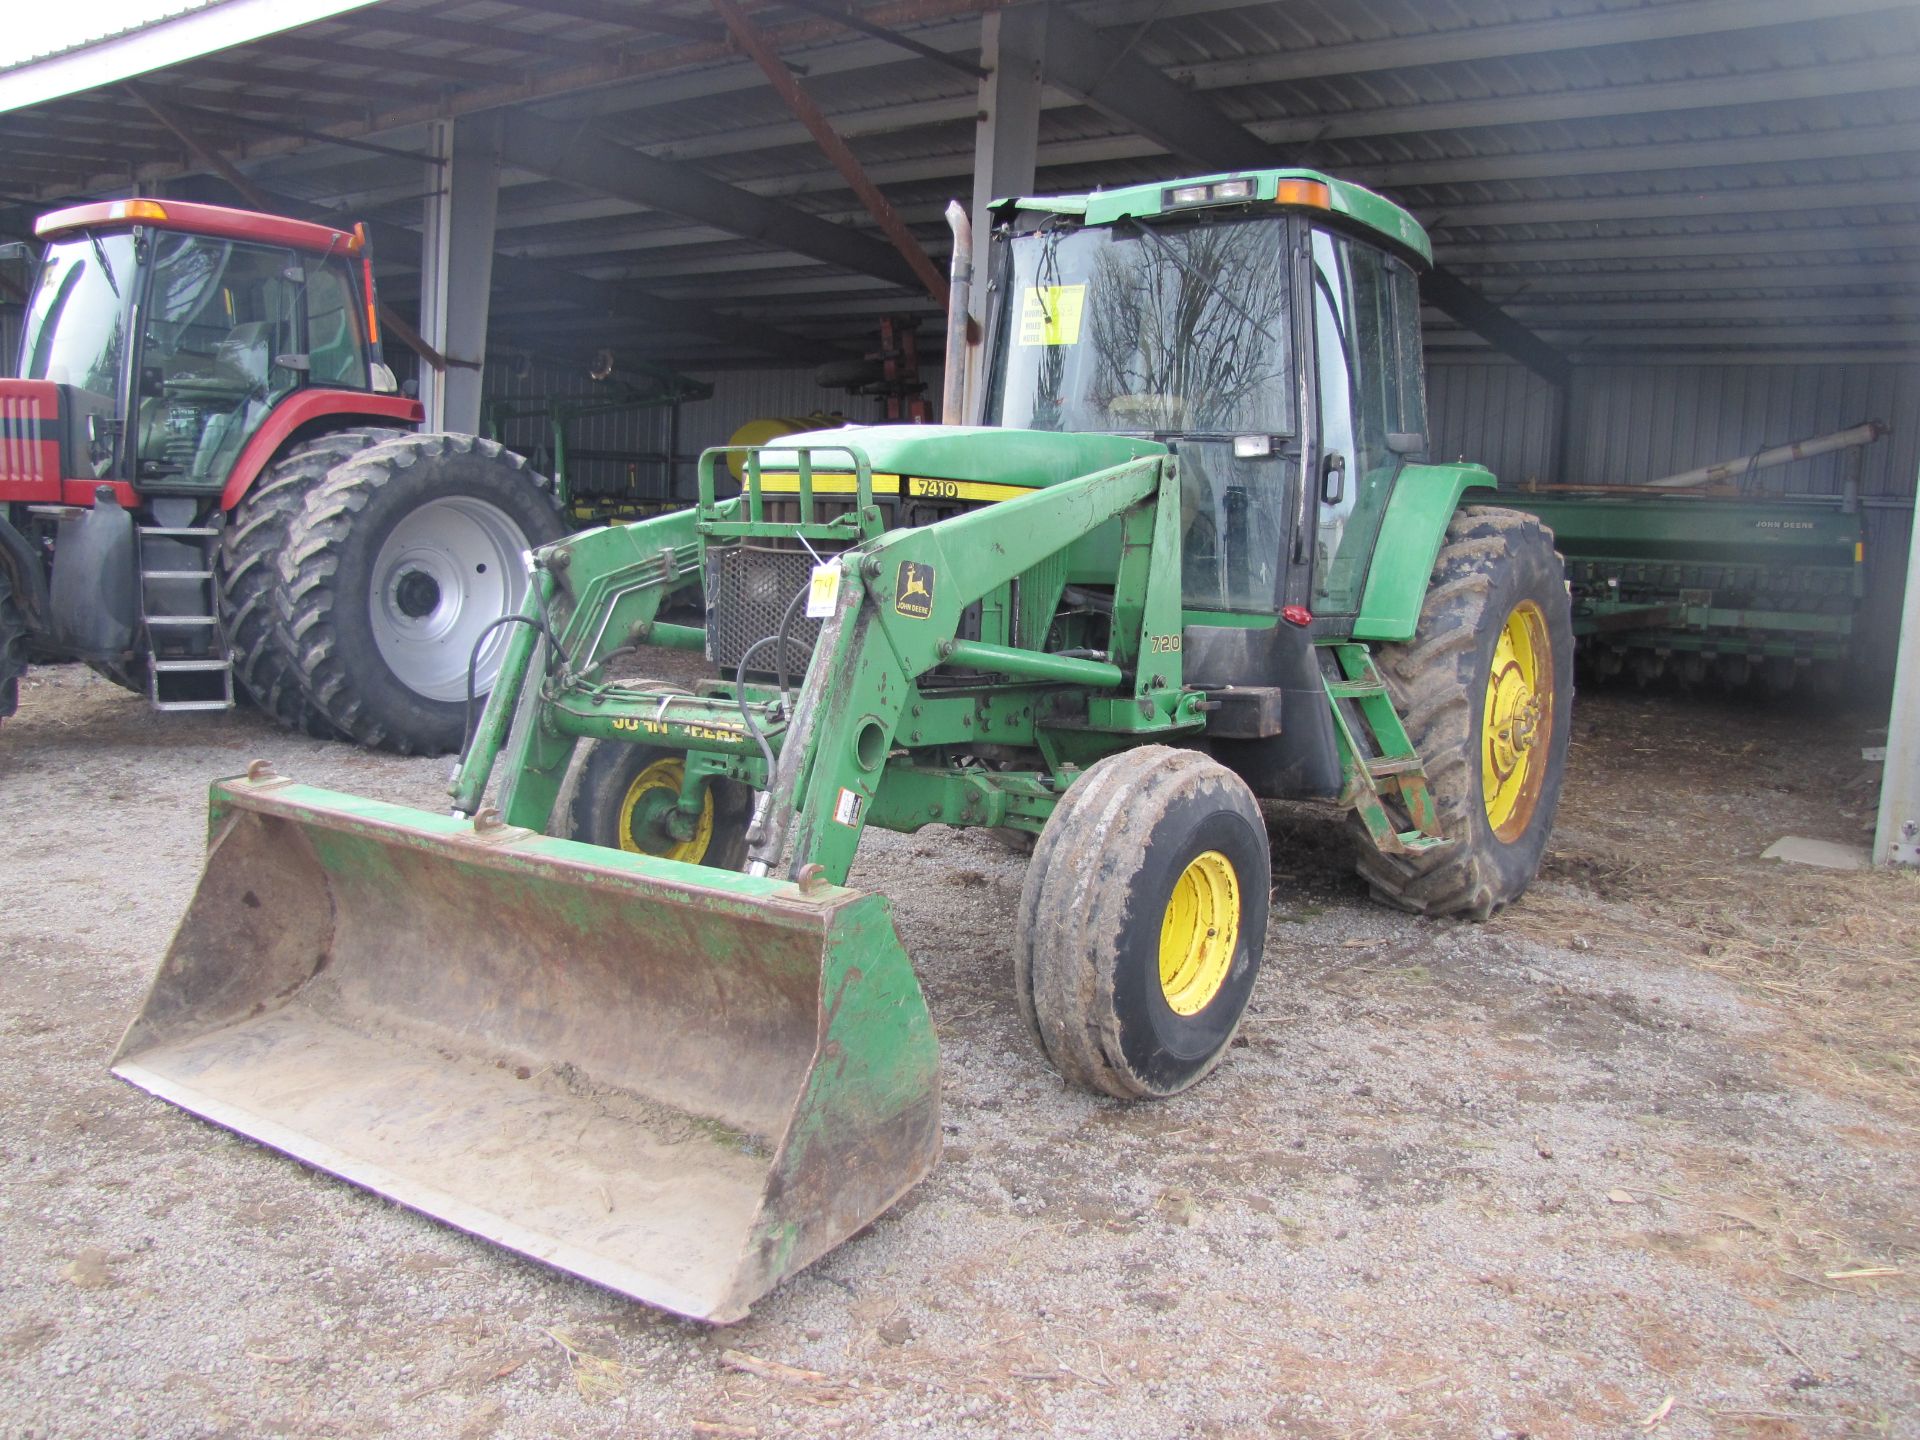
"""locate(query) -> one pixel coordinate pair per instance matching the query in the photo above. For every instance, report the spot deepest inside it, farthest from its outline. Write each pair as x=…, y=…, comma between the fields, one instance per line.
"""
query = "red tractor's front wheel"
x=13, y=647
x=268, y=673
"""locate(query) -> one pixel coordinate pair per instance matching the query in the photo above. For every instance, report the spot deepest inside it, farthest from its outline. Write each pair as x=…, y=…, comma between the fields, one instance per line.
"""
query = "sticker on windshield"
x=1050, y=314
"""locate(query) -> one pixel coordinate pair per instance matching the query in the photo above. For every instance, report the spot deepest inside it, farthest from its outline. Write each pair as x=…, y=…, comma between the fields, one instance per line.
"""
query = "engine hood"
x=1027, y=458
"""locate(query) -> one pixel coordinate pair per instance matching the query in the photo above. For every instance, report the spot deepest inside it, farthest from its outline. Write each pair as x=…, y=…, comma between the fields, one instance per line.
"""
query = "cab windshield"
x=76, y=322
x=1179, y=330
x=1147, y=327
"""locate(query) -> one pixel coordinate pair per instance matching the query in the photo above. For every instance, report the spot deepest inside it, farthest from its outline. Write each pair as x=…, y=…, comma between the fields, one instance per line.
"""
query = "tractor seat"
x=238, y=366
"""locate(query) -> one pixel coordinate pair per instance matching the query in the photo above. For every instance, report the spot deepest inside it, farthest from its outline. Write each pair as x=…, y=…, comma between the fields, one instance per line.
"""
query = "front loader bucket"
x=684, y=1084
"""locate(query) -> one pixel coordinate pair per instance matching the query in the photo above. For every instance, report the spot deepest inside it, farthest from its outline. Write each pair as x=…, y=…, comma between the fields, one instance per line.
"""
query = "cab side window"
x=1367, y=345
x=336, y=353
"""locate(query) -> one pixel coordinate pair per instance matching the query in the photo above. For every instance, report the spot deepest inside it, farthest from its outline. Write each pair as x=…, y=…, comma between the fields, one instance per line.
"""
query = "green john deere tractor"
x=632, y=1020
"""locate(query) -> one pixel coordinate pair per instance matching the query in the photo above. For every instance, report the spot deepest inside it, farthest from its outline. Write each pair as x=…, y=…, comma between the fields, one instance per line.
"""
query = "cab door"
x=1366, y=324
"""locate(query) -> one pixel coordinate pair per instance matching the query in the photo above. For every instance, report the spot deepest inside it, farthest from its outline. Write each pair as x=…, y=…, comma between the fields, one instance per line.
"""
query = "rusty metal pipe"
x=1779, y=455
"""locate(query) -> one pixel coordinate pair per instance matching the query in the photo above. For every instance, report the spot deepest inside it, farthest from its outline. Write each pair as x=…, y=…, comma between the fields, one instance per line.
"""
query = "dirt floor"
x=1638, y=1157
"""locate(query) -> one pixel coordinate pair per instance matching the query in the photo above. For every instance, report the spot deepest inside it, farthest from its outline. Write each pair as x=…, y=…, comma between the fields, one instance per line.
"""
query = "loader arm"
x=885, y=633
x=599, y=591
x=898, y=600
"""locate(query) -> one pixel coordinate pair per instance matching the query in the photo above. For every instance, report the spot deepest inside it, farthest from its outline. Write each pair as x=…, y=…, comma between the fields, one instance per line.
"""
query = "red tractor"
x=209, y=486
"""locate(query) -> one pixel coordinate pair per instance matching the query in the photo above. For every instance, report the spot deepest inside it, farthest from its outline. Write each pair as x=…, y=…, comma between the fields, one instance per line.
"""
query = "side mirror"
x=17, y=250
x=1406, y=442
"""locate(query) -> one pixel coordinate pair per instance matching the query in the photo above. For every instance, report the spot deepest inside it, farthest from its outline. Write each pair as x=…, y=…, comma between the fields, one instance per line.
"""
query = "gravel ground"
x=1566, y=1174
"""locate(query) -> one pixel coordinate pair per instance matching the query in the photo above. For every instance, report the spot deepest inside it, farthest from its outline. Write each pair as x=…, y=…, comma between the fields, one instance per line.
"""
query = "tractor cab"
x=1267, y=325
x=171, y=331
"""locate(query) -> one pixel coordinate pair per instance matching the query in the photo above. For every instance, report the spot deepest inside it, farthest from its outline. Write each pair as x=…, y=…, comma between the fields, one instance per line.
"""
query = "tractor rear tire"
x=1142, y=922
x=250, y=570
x=395, y=565
x=13, y=647
x=619, y=795
x=1485, y=689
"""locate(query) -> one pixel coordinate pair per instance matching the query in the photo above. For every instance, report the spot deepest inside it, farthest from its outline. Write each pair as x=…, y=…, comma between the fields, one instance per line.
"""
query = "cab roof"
x=217, y=220
x=1309, y=189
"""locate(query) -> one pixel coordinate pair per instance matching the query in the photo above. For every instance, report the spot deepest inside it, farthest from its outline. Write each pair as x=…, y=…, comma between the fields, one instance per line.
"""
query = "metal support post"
x=456, y=266
x=1896, y=839
x=1006, y=148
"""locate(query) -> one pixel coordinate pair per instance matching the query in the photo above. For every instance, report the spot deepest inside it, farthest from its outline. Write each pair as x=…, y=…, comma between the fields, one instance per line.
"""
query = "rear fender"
x=1411, y=533
x=302, y=409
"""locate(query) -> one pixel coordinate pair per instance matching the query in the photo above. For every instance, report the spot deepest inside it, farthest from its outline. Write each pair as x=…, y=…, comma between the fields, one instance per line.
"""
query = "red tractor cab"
x=190, y=378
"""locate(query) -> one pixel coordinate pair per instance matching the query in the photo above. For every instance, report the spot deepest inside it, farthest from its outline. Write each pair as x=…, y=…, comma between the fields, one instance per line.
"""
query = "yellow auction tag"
x=1050, y=314
x=823, y=591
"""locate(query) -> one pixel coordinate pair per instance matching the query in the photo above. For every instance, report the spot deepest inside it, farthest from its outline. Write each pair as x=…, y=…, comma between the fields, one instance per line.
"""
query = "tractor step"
x=1356, y=689
x=1378, y=759
x=1388, y=769
x=179, y=593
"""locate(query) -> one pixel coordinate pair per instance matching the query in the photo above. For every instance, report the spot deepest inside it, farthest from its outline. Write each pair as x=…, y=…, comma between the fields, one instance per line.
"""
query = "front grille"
x=748, y=590
x=749, y=585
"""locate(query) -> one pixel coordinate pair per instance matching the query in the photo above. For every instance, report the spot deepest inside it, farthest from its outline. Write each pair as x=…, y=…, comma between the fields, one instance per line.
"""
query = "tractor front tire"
x=250, y=552
x=623, y=792
x=1485, y=689
x=13, y=647
x=1142, y=922
x=395, y=566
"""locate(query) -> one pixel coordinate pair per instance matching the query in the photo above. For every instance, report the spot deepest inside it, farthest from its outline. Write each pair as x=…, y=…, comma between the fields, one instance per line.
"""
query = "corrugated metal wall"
x=742, y=395
x=1501, y=415
x=1634, y=423
x=1630, y=424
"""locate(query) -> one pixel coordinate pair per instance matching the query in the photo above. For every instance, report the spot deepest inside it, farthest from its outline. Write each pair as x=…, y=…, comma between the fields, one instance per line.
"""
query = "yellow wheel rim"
x=1199, y=932
x=1517, y=722
x=644, y=809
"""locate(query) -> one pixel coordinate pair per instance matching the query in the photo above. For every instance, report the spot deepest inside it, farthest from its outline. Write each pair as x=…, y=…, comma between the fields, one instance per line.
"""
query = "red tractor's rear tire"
x=250, y=570
x=394, y=566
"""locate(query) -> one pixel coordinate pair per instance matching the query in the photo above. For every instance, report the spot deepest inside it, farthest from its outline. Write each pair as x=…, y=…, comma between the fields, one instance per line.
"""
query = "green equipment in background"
x=1701, y=575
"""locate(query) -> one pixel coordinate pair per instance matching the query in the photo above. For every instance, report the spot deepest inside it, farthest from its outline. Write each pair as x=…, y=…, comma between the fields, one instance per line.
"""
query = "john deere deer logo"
x=913, y=594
